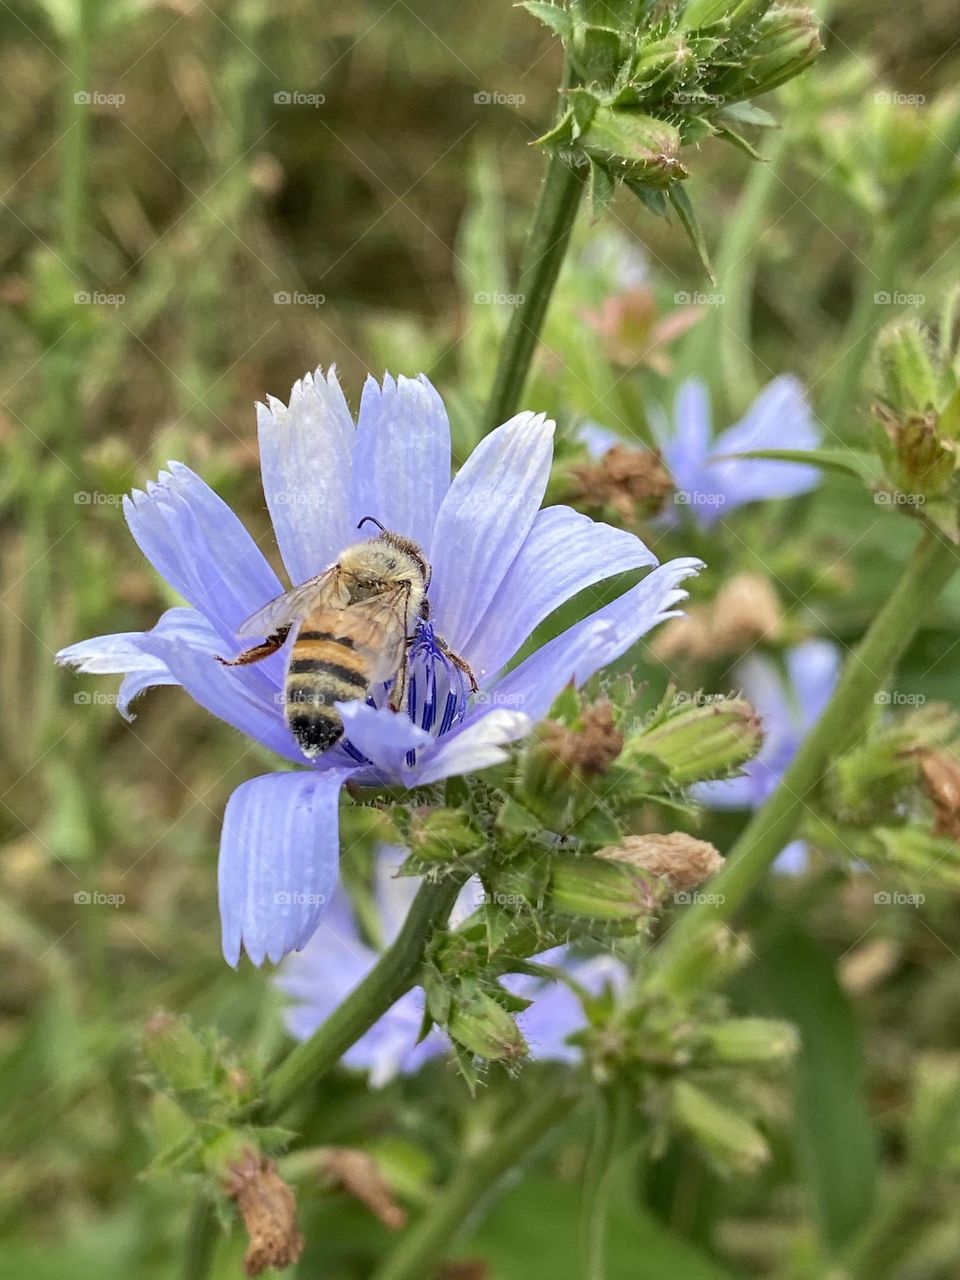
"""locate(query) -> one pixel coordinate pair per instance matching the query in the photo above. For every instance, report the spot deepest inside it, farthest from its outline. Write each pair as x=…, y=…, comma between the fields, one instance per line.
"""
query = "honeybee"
x=354, y=625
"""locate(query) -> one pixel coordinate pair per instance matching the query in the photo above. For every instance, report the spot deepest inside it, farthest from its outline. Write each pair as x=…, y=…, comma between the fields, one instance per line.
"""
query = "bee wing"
x=291, y=606
x=378, y=630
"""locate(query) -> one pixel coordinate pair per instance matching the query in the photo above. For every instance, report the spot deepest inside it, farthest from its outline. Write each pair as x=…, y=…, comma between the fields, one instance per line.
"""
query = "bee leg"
x=258, y=652
x=460, y=663
x=399, y=691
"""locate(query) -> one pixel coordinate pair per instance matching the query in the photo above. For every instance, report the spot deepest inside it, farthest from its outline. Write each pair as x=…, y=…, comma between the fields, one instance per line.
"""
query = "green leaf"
x=602, y=189
x=739, y=141
x=747, y=113
x=656, y=201
x=688, y=220
x=551, y=15
x=835, y=1141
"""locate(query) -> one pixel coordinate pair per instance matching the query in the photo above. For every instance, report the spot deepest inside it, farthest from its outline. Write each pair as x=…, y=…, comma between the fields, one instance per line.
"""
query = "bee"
x=353, y=625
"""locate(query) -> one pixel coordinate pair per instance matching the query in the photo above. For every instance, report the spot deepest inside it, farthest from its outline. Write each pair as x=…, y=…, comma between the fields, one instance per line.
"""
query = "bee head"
x=405, y=546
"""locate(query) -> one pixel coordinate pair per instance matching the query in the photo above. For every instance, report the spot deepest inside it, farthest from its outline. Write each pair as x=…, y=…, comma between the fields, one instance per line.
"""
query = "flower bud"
x=732, y=1143
x=587, y=888
x=940, y=778
x=442, y=835
x=632, y=482
x=701, y=740
x=658, y=65
x=681, y=860
x=908, y=379
x=916, y=459
x=732, y=13
x=485, y=1028
x=634, y=146
x=787, y=42
x=565, y=757
x=176, y=1053
x=745, y=1040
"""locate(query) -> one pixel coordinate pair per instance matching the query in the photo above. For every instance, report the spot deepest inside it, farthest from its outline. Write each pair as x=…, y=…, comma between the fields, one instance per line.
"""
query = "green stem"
x=417, y=1254
x=681, y=962
x=542, y=259
x=200, y=1241
x=894, y=250
x=610, y=1127
x=392, y=975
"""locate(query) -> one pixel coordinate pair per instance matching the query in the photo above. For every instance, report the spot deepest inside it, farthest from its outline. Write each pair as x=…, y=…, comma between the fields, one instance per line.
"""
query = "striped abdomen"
x=325, y=668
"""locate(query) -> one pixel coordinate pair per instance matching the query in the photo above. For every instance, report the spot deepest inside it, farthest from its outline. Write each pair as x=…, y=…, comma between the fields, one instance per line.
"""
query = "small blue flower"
x=335, y=960
x=708, y=484
x=788, y=708
x=500, y=566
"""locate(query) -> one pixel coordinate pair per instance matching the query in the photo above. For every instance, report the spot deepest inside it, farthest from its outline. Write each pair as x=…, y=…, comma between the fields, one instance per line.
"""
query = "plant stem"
x=542, y=258
x=390, y=977
x=418, y=1253
x=200, y=1241
x=681, y=962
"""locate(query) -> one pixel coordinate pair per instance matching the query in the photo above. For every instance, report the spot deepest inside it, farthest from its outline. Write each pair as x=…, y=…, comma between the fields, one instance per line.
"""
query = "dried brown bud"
x=744, y=612
x=590, y=749
x=681, y=860
x=360, y=1176
x=633, y=482
x=940, y=777
x=269, y=1211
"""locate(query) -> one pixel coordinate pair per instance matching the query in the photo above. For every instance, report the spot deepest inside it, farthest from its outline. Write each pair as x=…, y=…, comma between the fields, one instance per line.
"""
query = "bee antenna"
x=373, y=520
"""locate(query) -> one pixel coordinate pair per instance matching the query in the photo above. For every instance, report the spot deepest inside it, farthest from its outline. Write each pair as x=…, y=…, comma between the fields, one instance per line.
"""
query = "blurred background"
x=200, y=202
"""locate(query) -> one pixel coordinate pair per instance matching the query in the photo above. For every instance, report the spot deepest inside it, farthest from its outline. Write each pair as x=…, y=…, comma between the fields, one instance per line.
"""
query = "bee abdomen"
x=323, y=670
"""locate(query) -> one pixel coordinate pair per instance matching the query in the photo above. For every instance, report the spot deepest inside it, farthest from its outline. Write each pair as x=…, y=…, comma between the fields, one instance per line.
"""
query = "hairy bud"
x=269, y=1212
x=681, y=860
x=701, y=741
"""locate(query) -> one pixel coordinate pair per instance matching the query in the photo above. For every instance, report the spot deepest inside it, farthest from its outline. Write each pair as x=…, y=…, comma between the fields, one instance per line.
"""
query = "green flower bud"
x=176, y=1054
x=443, y=835
x=732, y=13
x=744, y=1040
x=634, y=146
x=729, y=1141
x=658, y=65
x=787, y=41
x=701, y=740
x=589, y=888
x=908, y=379
x=485, y=1028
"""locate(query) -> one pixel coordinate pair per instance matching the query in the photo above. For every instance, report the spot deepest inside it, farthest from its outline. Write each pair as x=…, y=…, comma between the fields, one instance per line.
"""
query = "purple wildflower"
x=335, y=960
x=500, y=566
x=788, y=707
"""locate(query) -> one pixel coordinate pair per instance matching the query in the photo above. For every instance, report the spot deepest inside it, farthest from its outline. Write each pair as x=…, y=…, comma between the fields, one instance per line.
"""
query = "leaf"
x=852, y=462
x=602, y=189
x=655, y=201
x=688, y=220
x=739, y=141
x=551, y=15
x=535, y=1231
x=834, y=1135
x=747, y=113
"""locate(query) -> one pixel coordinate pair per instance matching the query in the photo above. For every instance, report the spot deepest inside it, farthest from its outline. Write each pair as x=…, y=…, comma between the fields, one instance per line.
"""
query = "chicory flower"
x=336, y=960
x=500, y=566
x=788, y=706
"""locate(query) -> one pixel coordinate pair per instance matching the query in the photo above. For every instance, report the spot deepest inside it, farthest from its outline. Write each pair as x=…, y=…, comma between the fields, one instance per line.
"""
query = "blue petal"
x=193, y=539
x=793, y=859
x=401, y=461
x=814, y=668
x=779, y=418
x=593, y=643
x=124, y=652
x=305, y=461
x=483, y=521
x=382, y=735
x=478, y=745
x=244, y=697
x=563, y=553
x=597, y=439
x=279, y=854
